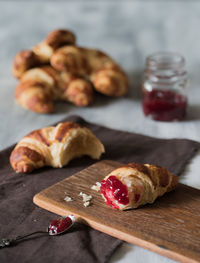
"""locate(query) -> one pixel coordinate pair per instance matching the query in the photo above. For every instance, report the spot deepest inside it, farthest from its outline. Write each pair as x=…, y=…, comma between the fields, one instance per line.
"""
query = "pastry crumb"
x=86, y=199
x=68, y=198
x=86, y=203
x=96, y=186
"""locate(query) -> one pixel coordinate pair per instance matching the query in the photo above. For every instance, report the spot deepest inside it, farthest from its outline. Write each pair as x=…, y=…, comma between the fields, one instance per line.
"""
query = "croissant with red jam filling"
x=133, y=185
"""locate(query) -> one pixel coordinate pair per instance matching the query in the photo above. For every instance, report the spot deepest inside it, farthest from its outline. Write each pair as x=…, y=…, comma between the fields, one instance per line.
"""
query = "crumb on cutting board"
x=86, y=199
x=96, y=186
x=68, y=198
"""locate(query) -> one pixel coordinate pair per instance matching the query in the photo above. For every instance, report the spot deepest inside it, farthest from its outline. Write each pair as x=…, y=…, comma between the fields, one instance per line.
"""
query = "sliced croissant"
x=134, y=184
x=54, y=146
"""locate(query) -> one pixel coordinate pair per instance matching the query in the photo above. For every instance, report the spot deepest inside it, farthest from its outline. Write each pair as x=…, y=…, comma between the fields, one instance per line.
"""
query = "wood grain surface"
x=170, y=226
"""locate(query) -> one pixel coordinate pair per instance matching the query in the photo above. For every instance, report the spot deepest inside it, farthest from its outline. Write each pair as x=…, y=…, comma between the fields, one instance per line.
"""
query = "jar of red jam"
x=164, y=87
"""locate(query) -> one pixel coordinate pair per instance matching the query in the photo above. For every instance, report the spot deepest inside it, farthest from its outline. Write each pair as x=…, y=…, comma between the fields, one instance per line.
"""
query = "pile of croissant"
x=58, y=69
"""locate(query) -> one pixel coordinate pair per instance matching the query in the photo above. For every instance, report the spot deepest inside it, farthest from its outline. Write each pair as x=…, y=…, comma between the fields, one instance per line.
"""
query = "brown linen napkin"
x=18, y=214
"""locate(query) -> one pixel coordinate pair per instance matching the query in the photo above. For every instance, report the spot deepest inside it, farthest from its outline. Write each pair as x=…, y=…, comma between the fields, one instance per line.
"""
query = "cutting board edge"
x=42, y=202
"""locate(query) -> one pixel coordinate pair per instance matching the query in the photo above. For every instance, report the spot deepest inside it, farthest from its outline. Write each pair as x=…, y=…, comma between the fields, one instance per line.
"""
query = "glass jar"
x=164, y=87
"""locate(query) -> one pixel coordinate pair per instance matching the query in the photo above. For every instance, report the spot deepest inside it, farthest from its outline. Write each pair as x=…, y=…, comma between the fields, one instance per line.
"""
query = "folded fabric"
x=82, y=244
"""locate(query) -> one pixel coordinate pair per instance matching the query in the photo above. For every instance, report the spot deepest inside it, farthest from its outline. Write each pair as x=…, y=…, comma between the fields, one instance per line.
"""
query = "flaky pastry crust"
x=54, y=146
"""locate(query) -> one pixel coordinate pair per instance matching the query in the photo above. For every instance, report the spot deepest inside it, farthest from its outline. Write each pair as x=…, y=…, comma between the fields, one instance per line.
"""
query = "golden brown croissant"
x=54, y=146
x=105, y=74
x=76, y=89
x=23, y=61
x=132, y=185
x=42, y=52
x=40, y=87
x=54, y=40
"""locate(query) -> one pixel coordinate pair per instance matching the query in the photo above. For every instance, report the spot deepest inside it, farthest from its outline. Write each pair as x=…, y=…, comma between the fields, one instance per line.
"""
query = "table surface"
x=128, y=31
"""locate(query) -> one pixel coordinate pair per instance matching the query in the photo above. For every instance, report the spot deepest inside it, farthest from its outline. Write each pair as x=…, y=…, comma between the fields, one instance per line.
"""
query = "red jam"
x=164, y=105
x=114, y=190
x=59, y=225
x=137, y=197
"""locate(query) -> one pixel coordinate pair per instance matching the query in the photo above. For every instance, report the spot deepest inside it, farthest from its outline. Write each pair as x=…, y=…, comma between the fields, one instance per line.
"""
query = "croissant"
x=23, y=61
x=40, y=87
x=133, y=185
x=76, y=89
x=54, y=40
x=42, y=52
x=54, y=146
x=105, y=74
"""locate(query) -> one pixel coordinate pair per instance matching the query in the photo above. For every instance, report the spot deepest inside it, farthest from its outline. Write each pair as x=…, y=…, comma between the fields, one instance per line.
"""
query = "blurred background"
x=126, y=30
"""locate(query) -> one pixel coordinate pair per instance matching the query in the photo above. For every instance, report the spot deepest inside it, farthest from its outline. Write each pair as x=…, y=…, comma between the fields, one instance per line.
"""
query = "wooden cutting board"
x=170, y=226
